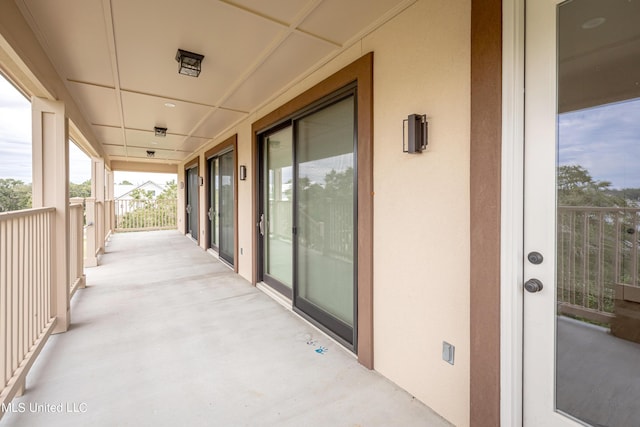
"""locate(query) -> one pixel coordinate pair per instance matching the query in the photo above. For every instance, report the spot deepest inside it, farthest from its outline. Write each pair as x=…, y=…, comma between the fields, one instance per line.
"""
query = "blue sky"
x=15, y=144
x=604, y=140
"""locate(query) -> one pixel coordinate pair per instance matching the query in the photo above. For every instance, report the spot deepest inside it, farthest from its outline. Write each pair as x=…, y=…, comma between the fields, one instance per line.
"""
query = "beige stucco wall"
x=421, y=225
x=421, y=228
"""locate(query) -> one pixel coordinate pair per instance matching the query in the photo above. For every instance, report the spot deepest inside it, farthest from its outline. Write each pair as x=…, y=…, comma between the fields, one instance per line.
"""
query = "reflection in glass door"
x=278, y=210
x=226, y=247
x=598, y=193
x=324, y=213
x=214, y=202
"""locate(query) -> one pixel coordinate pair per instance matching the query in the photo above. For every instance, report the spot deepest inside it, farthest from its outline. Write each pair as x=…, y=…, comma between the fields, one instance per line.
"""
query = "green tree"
x=576, y=187
x=149, y=212
x=14, y=195
x=125, y=182
x=80, y=190
x=170, y=191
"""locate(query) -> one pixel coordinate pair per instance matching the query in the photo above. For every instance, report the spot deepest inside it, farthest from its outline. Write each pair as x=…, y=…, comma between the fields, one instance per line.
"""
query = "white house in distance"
x=124, y=191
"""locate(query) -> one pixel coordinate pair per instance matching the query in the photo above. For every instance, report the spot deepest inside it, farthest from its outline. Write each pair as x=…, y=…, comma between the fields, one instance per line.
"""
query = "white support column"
x=110, y=212
x=98, y=193
x=50, y=136
x=90, y=258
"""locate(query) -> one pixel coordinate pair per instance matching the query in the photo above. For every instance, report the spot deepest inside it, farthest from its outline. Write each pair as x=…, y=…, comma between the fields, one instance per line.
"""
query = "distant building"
x=124, y=191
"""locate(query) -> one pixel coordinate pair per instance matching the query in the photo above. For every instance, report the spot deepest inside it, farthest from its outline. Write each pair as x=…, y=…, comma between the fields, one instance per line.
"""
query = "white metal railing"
x=597, y=250
x=152, y=214
x=26, y=239
x=76, y=249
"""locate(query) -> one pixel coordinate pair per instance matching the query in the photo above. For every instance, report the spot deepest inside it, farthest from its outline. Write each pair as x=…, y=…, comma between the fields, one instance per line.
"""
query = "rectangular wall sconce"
x=414, y=133
x=182, y=185
x=200, y=181
x=243, y=172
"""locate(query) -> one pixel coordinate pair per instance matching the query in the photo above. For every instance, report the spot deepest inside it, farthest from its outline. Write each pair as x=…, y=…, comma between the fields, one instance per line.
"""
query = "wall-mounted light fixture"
x=190, y=63
x=151, y=154
x=200, y=181
x=414, y=133
x=160, y=132
x=182, y=185
x=243, y=172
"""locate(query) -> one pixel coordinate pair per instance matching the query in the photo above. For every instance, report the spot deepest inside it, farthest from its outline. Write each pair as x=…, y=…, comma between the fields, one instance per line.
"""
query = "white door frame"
x=511, y=215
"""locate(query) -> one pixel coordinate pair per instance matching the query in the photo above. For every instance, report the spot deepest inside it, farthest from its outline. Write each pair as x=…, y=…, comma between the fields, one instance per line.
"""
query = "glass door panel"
x=214, y=202
x=278, y=249
x=598, y=189
x=226, y=215
x=192, y=202
x=582, y=213
x=324, y=213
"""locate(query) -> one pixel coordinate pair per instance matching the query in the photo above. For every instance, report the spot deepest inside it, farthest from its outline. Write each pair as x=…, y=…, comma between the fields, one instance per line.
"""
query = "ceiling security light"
x=160, y=132
x=189, y=63
x=151, y=154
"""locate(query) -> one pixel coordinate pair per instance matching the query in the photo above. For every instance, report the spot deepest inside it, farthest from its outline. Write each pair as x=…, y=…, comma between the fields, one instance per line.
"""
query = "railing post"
x=50, y=137
x=90, y=258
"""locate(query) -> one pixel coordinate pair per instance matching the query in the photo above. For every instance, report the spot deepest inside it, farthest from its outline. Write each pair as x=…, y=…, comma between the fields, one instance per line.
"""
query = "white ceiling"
x=117, y=59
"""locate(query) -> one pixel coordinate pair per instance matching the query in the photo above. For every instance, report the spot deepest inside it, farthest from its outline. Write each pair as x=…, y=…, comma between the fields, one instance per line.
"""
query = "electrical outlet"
x=448, y=352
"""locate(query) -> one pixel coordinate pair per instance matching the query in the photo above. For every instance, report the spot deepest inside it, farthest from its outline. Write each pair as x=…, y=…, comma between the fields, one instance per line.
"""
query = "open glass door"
x=582, y=214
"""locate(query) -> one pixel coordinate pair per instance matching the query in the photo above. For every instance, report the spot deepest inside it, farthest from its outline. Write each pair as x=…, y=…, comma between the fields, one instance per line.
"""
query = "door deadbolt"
x=533, y=285
x=535, y=258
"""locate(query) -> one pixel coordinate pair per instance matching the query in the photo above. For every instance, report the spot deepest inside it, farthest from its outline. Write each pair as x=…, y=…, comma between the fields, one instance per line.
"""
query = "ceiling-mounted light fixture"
x=160, y=132
x=190, y=63
x=151, y=154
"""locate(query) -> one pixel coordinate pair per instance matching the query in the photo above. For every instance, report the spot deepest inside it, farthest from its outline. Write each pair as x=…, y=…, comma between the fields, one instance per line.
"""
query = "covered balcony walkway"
x=166, y=335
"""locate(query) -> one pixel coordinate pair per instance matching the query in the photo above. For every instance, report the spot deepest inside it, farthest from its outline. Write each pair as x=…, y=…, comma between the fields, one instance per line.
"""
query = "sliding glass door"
x=324, y=212
x=221, y=211
x=277, y=217
x=308, y=210
x=227, y=215
x=192, y=202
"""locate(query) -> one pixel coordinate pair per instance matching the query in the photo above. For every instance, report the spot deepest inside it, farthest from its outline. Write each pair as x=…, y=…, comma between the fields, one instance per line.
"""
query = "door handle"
x=209, y=214
x=261, y=225
x=533, y=285
x=188, y=209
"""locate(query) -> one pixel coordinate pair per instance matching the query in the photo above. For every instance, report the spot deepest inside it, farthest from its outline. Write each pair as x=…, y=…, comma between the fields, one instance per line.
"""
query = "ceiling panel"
x=146, y=112
x=114, y=150
x=109, y=135
x=100, y=103
x=217, y=122
x=193, y=143
x=339, y=20
x=141, y=153
x=78, y=47
x=148, y=37
x=281, y=10
x=147, y=139
x=296, y=55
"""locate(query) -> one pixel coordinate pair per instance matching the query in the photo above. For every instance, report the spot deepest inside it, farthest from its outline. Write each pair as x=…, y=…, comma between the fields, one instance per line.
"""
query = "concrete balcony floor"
x=166, y=335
